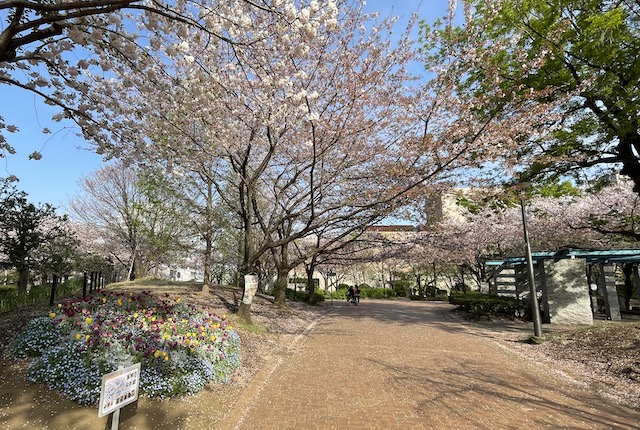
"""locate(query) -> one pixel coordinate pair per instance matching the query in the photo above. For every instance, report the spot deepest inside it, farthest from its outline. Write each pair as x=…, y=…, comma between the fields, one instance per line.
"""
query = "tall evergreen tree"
x=573, y=64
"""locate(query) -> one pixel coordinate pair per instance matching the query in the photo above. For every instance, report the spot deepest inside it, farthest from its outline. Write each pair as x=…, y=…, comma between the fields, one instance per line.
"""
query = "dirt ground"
x=607, y=354
x=24, y=405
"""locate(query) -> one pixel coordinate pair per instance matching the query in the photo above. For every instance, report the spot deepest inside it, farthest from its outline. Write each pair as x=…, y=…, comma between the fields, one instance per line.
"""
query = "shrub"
x=10, y=299
x=377, y=293
x=401, y=288
x=301, y=296
x=440, y=298
x=180, y=349
x=484, y=305
x=340, y=293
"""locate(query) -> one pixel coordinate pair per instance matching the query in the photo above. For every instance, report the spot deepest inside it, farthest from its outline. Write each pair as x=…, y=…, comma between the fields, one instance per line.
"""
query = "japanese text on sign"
x=119, y=388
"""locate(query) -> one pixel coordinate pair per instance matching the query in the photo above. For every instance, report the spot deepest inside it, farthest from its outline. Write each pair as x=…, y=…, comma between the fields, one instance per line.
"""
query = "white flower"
x=290, y=12
x=309, y=31
x=302, y=49
x=183, y=47
x=304, y=16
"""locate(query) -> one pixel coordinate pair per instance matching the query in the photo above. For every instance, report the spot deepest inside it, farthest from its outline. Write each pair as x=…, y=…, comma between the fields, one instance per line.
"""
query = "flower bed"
x=180, y=348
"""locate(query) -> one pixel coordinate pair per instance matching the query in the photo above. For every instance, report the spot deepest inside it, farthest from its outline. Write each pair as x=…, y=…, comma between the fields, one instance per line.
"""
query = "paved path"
x=413, y=366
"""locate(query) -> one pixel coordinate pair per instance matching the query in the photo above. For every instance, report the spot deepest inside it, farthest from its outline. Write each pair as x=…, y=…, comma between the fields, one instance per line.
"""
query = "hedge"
x=477, y=304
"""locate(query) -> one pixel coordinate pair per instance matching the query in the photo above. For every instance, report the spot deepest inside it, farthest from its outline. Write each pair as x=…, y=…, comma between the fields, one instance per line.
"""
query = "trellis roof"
x=609, y=256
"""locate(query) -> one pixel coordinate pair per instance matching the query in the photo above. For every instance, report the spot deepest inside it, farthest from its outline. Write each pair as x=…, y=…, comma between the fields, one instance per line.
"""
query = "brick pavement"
x=412, y=365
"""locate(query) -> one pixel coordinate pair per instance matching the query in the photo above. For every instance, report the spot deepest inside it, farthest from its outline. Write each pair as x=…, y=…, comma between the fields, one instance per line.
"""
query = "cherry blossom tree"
x=310, y=119
x=600, y=217
x=49, y=47
x=142, y=227
x=279, y=145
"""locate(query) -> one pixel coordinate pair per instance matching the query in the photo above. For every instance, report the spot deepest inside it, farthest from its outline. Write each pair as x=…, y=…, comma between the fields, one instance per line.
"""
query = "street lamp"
x=533, y=295
x=330, y=274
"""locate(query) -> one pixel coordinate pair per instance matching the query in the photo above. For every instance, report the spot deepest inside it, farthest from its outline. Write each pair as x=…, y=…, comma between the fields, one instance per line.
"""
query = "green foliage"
x=428, y=298
x=341, y=292
x=401, y=288
x=488, y=306
x=377, y=293
x=10, y=299
x=32, y=235
x=584, y=50
x=551, y=188
x=301, y=296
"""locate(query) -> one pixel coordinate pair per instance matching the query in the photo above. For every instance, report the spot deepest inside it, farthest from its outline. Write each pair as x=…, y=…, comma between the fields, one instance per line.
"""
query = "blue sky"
x=66, y=157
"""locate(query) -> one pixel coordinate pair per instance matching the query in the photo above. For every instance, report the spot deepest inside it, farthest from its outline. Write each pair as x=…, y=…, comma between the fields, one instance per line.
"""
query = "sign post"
x=118, y=389
x=329, y=276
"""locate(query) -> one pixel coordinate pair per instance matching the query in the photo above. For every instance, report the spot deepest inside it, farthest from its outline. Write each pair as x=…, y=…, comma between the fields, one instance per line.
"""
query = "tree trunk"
x=207, y=265
x=311, y=286
x=132, y=270
x=244, y=310
x=54, y=284
x=244, y=313
x=280, y=290
x=23, y=279
x=141, y=269
x=628, y=143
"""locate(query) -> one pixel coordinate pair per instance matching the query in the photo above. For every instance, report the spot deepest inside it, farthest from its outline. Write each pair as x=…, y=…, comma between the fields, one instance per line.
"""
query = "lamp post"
x=533, y=295
x=330, y=274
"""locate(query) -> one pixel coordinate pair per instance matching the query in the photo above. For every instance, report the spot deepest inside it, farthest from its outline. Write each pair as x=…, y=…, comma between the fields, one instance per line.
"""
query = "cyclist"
x=350, y=295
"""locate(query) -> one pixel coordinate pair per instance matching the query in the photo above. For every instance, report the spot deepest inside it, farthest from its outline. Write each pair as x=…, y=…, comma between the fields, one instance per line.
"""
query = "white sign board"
x=250, y=288
x=119, y=388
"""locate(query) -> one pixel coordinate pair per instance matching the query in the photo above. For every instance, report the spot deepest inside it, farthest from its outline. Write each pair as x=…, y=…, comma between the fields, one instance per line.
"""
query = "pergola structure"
x=564, y=292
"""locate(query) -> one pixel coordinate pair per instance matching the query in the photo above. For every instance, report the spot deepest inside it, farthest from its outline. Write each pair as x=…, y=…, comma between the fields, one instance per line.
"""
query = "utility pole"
x=533, y=295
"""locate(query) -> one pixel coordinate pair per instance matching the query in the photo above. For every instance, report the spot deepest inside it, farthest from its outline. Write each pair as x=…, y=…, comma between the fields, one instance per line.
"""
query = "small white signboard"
x=250, y=288
x=119, y=388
